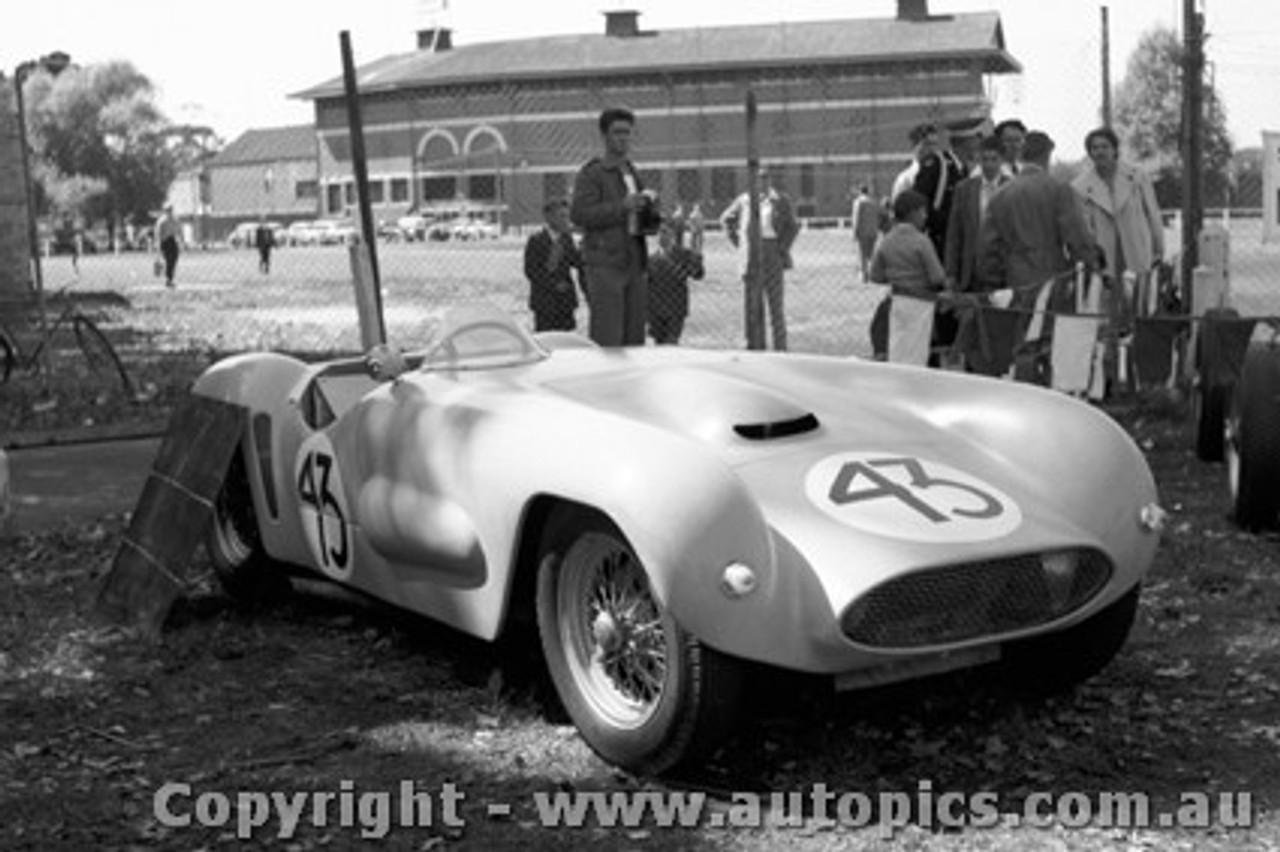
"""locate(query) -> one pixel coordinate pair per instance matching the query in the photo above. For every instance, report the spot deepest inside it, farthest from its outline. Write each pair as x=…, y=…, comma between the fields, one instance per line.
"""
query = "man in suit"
x=763, y=276
x=1034, y=230
x=866, y=216
x=550, y=261
x=967, y=211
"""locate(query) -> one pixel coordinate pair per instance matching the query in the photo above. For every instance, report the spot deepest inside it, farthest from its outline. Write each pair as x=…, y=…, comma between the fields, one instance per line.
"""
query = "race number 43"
x=910, y=498
x=323, y=509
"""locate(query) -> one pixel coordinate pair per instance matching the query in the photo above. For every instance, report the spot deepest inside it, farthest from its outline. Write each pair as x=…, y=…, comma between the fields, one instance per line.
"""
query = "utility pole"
x=1192, y=138
x=1106, y=67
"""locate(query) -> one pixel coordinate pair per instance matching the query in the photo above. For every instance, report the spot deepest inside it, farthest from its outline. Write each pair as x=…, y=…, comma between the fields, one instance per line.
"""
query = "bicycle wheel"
x=8, y=354
x=98, y=351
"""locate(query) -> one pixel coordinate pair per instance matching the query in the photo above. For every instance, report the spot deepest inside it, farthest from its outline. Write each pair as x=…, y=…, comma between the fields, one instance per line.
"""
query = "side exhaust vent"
x=777, y=429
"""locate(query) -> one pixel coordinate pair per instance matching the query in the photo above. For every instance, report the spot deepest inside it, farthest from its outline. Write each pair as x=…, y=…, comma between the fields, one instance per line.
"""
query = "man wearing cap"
x=1033, y=230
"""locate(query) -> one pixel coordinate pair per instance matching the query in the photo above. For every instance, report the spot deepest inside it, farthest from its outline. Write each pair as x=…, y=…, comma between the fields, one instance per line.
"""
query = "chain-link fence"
x=458, y=178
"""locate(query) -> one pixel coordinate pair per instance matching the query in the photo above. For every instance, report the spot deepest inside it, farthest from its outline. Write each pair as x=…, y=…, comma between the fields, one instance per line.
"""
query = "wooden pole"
x=361, y=168
x=753, y=291
x=1106, y=67
x=1192, y=139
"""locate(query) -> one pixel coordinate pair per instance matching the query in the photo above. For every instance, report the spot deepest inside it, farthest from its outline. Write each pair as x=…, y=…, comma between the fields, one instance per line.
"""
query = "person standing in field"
x=169, y=239
x=551, y=263
x=615, y=213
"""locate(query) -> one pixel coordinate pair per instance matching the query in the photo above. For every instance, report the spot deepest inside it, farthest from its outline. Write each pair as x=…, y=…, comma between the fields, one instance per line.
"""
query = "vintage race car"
x=667, y=519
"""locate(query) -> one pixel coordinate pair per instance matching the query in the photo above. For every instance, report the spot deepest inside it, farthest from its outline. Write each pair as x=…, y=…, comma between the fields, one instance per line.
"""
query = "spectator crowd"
x=974, y=224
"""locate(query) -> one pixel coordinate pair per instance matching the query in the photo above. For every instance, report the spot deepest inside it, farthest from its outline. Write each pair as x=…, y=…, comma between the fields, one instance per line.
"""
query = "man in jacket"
x=1033, y=232
x=615, y=214
x=968, y=208
x=763, y=274
x=550, y=261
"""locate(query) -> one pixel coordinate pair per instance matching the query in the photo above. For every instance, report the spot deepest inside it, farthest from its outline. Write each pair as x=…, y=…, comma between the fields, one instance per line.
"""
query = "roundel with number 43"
x=907, y=497
x=322, y=503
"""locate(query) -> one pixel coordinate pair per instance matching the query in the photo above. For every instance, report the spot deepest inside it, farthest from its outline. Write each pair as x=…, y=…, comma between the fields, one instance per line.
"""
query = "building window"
x=349, y=193
x=482, y=187
x=377, y=192
x=439, y=188
x=808, y=188
x=333, y=202
x=399, y=190
x=306, y=190
x=688, y=185
x=555, y=185
x=724, y=184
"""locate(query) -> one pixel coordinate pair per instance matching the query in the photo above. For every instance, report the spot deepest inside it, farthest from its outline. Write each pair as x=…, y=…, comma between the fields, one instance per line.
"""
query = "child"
x=670, y=268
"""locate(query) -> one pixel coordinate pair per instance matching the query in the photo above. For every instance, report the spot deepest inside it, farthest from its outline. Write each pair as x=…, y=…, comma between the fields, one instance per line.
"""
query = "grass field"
x=223, y=304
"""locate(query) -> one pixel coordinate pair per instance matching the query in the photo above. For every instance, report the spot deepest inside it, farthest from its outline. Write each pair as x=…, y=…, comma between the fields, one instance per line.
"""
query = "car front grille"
x=956, y=603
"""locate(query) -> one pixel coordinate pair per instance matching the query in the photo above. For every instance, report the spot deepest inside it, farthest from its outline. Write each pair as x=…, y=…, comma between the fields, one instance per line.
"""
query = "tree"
x=1148, y=114
x=101, y=140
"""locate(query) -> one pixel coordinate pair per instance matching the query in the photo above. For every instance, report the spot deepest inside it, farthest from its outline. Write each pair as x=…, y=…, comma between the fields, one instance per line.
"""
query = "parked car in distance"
x=414, y=226
x=302, y=233
x=475, y=229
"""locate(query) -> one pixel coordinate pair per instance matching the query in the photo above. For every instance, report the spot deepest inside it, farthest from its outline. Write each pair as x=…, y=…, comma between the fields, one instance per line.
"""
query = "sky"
x=233, y=64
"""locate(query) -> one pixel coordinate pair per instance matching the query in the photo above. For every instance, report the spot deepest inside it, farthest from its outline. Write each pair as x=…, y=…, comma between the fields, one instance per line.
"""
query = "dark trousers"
x=765, y=286
x=666, y=330
x=169, y=251
x=619, y=303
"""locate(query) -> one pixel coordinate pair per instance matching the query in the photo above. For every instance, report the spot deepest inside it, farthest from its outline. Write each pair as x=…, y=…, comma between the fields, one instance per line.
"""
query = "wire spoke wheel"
x=98, y=351
x=612, y=630
x=644, y=692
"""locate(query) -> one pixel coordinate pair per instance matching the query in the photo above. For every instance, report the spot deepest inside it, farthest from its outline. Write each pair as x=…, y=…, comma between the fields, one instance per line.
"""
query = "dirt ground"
x=327, y=693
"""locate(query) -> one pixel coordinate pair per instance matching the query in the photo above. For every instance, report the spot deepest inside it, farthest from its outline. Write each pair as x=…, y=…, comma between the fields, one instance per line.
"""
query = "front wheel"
x=1058, y=662
x=644, y=693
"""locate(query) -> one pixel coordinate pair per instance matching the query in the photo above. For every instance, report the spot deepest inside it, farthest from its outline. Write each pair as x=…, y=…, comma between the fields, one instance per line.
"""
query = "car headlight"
x=738, y=581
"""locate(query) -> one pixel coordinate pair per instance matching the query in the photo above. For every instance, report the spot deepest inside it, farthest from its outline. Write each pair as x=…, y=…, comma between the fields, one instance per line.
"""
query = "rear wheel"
x=644, y=693
x=1211, y=397
x=234, y=544
x=1058, y=662
x=1253, y=442
x=1210, y=405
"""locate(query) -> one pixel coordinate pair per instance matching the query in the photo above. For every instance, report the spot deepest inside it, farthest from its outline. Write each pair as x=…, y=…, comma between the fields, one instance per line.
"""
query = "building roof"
x=269, y=145
x=976, y=36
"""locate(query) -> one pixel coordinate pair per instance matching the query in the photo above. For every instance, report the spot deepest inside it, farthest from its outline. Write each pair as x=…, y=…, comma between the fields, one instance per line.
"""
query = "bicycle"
x=93, y=344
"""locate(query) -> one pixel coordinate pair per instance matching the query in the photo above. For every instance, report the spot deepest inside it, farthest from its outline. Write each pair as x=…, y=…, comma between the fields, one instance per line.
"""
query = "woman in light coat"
x=1120, y=209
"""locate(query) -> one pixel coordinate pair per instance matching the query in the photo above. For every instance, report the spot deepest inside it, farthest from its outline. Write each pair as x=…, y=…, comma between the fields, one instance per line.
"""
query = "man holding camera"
x=615, y=213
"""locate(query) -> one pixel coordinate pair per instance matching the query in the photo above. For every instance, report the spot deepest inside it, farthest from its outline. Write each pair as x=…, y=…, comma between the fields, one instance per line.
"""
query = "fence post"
x=753, y=280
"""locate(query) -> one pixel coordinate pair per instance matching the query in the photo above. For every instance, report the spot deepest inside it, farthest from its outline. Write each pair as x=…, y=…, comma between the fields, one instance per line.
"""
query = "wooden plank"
x=148, y=572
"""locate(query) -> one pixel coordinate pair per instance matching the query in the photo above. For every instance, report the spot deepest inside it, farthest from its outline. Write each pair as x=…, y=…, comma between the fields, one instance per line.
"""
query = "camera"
x=648, y=216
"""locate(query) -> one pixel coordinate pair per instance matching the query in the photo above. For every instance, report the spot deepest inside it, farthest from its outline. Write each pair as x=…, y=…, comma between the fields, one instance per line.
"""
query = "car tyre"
x=1058, y=662
x=1210, y=405
x=644, y=693
x=234, y=543
x=1211, y=401
x=1253, y=442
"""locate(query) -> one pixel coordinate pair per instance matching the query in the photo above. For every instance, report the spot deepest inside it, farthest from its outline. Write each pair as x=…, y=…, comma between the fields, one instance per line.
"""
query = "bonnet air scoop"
x=771, y=429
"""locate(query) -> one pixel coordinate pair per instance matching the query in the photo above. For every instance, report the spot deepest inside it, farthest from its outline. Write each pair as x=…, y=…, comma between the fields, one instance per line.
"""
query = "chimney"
x=437, y=39
x=913, y=10
x=622, y=23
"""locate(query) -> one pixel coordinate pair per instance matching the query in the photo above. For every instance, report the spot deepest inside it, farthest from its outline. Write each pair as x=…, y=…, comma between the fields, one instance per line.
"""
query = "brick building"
x=498, y=127
x=263, y=172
